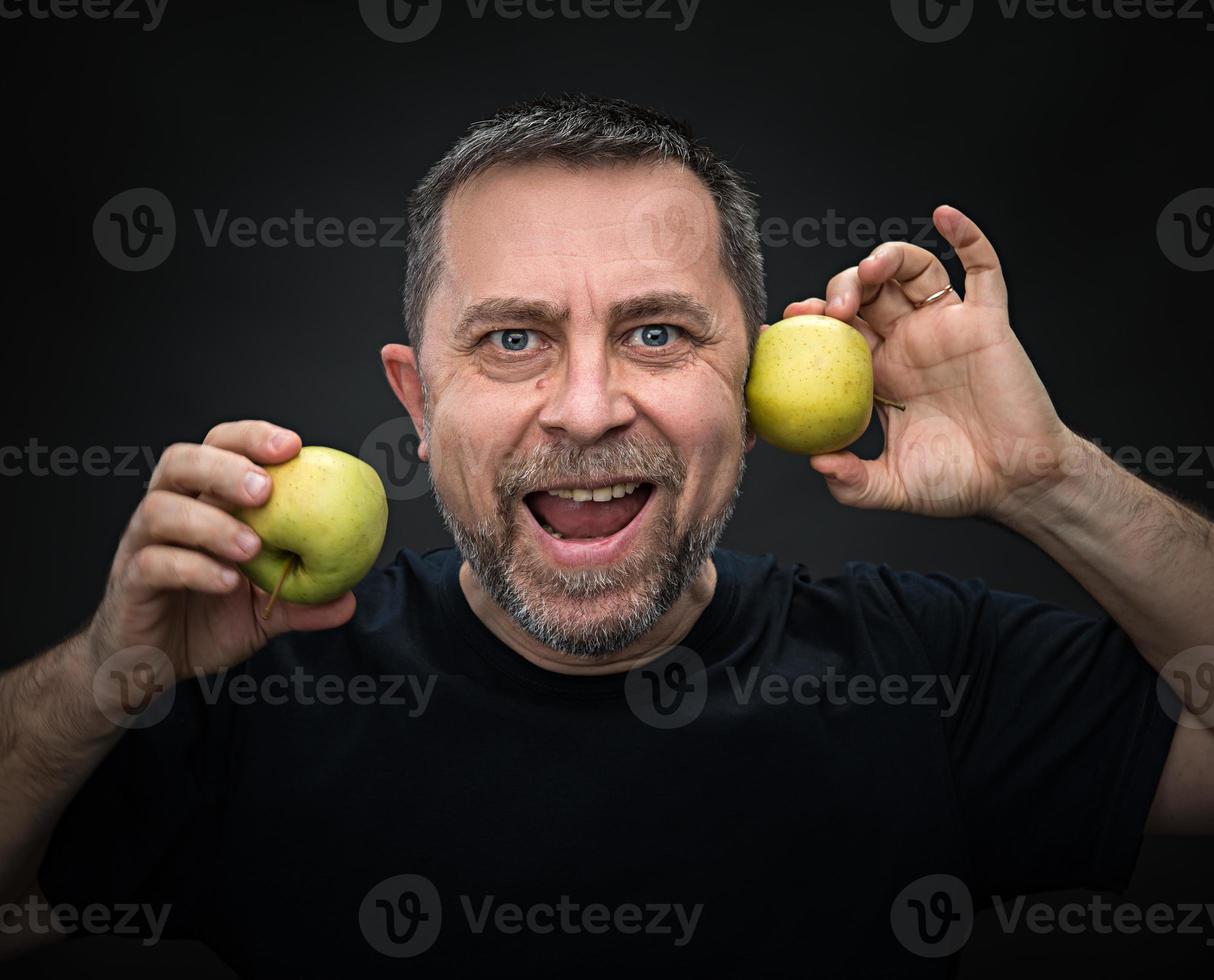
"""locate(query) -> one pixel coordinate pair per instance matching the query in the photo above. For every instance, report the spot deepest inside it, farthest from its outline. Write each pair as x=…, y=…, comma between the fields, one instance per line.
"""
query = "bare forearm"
x=1147, y=559
x=52, y=736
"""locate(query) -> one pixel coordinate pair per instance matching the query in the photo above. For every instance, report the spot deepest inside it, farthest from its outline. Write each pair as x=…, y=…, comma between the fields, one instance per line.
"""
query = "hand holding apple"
x=174, y=587
x=979, y=434
x=321, y=529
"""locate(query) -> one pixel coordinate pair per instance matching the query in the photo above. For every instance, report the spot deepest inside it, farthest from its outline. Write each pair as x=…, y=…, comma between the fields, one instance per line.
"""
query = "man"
x=564, y=747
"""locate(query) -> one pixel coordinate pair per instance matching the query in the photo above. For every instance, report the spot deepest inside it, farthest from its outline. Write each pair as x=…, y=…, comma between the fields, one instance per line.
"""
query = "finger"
x=881, y=302
x=288, y=617
x=919, y=274
x=886, y=305
x=260, y=441
x=172, y=518
x=984, y=282
x=856, y=482
x=805, y=307
x=214, y=473
x=817, y=307
x=845, y=294
x=161, y=567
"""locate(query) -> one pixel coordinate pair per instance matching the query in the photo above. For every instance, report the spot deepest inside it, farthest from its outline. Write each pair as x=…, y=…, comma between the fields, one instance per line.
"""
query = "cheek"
x=703, y=418
x=467, y=439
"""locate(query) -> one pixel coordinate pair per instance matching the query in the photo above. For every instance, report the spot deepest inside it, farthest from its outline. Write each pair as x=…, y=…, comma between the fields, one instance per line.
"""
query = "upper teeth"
x=595, y=493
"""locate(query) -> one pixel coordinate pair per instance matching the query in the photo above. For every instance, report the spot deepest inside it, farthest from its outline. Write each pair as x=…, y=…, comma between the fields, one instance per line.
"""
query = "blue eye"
x=657, y=334
x=511, y=339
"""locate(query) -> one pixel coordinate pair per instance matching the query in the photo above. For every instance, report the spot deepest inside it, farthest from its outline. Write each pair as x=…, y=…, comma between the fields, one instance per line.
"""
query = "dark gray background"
x=1065, y=139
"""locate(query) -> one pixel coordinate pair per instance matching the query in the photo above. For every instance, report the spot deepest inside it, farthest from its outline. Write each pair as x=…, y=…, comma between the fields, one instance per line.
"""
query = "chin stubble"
x=614, y=606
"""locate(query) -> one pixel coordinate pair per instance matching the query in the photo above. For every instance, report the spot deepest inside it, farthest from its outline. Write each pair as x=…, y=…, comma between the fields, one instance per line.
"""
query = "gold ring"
x=934, y=297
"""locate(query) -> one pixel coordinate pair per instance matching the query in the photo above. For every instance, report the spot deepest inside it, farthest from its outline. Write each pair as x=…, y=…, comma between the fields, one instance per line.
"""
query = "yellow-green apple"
x=321, y=529
x=811, y=385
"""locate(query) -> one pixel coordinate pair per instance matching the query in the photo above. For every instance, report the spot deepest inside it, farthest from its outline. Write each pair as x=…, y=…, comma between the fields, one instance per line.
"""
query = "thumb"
x=853, y=481
x=287, y=617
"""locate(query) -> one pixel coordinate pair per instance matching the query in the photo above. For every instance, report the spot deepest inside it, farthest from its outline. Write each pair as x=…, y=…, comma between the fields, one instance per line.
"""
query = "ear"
x=750, y=429
x=400, y=368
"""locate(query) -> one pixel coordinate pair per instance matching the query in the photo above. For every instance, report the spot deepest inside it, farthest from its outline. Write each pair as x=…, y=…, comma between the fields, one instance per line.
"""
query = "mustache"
x=640, y=457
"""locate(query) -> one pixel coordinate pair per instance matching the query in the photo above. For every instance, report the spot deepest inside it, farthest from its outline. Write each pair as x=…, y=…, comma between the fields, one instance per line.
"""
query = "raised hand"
x=979, y=434
x=173, y=585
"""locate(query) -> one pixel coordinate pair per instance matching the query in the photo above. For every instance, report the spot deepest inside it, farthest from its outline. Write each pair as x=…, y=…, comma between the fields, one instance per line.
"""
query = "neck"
x=667, y=632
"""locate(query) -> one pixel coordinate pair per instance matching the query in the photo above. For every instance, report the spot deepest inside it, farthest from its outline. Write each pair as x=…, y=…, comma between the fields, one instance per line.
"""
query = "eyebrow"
x=517, y=311
x=661, y=304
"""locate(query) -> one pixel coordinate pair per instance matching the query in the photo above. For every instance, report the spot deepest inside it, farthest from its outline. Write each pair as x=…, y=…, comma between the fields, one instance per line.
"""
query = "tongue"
x=587, y=518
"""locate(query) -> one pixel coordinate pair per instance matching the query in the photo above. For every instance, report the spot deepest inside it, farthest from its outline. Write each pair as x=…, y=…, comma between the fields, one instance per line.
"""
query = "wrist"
x=56, y=712
x=1069, y=480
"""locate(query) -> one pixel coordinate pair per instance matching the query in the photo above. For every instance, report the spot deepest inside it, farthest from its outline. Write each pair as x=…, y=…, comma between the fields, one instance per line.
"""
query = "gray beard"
x=644, y=585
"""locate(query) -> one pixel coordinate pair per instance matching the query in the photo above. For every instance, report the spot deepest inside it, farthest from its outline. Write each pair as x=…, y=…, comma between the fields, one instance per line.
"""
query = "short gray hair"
x=581, y=131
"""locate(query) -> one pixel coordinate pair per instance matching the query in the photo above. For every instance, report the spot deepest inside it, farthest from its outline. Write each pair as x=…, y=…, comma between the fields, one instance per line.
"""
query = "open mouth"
x=588, y=513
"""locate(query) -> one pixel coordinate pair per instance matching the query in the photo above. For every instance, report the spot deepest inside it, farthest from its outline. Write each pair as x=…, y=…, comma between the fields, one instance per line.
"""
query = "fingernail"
x=254, y=483
x=279, y=439
x=228, y=576
x=247, y=542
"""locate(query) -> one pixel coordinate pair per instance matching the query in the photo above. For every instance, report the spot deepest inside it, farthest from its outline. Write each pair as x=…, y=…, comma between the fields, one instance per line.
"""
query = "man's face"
x=584, y=337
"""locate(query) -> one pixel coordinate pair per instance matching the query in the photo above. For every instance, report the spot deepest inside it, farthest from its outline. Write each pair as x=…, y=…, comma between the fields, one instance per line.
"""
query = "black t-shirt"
x=814, y=783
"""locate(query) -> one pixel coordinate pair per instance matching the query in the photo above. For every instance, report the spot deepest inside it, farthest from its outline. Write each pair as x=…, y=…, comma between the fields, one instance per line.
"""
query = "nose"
x=587, y=401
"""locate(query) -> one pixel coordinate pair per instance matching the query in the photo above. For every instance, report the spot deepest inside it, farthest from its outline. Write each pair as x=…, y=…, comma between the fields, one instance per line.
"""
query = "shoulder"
x=870, y=587
x=865, y=604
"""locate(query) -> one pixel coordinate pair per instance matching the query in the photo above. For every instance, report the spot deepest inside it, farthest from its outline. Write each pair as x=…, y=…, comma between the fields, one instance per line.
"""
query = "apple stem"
x=900, y=406
x=265, y=613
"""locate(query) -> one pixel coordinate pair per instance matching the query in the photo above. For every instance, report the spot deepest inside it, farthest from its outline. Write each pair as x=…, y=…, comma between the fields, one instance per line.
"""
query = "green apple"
x=321, y=528
x=811, y=385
